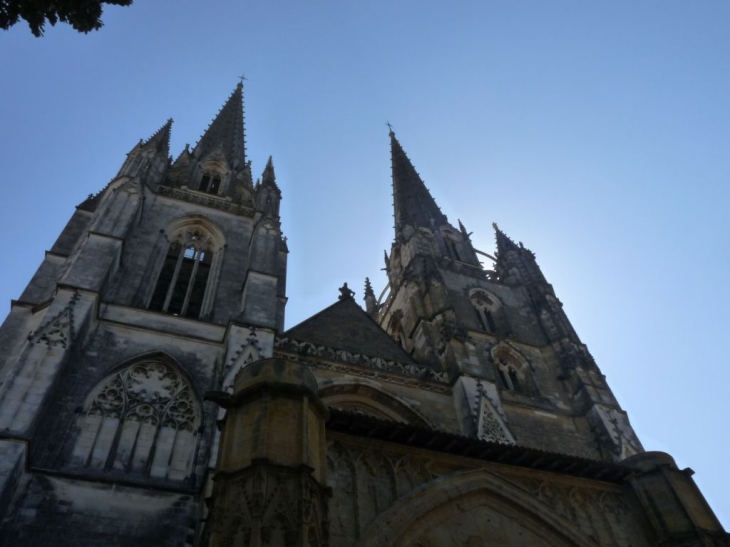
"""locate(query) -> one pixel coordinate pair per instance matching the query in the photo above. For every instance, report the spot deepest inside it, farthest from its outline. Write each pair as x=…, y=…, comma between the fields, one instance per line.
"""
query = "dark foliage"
x=82, y=15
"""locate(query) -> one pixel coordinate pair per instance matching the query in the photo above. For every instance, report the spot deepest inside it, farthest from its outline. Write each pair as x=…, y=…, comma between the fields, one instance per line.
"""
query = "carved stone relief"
x=602, y=514
x=366, y=482
x=36, y=369
x=361, y=360
x=270, y=507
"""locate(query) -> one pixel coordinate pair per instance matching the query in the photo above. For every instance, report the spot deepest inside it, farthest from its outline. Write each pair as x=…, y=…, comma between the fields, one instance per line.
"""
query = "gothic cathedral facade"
x=150, y=395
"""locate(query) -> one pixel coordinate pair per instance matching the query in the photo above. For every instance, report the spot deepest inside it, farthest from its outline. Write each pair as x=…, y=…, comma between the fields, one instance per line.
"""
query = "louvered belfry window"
x=184, y=276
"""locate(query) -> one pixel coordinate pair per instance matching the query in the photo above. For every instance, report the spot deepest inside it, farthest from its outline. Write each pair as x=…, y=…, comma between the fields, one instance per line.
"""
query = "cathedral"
x=151, y=396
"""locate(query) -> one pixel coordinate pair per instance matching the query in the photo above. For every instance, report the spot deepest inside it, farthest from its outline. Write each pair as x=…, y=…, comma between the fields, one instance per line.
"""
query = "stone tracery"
x=143, y=419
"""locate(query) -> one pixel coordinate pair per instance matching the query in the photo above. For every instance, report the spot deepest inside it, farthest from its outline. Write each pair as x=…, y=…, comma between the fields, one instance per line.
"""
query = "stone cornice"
x=361, y=365
x=206, y=200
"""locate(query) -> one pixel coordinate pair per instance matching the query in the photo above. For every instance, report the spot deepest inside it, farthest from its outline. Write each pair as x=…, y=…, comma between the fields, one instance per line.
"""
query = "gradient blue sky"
x=595, y=132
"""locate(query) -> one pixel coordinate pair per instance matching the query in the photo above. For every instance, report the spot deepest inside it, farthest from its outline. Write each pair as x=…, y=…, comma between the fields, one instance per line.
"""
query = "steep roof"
x=345, y=325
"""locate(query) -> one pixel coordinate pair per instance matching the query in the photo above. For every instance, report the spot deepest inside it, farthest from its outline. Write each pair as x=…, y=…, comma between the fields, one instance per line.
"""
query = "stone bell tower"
x=500, y=333
x=160, y=288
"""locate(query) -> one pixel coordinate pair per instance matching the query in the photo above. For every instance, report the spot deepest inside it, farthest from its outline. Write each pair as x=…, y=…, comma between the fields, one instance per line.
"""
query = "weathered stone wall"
x=386, y=494
x=108, y=347
x=66, y=512
x=136, y=278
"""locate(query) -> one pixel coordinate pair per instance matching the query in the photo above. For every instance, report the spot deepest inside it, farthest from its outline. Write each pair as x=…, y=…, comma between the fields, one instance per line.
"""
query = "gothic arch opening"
x=143, y=419
x=212, y=176
x=486, y=305
x=513, y=370
x=471, y=508
x=189, y=269
x=368, y=400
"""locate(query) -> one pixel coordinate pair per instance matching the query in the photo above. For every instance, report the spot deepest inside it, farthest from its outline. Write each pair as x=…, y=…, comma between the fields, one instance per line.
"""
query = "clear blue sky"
x=595, y=132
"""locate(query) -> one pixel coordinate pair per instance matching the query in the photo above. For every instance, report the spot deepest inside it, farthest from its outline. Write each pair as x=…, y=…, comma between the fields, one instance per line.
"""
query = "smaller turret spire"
x=368, y=288
x=466, y=234
x=160, y=140
x=412, y=201
x=268, y=176
x=371, y=304
x=504, y=243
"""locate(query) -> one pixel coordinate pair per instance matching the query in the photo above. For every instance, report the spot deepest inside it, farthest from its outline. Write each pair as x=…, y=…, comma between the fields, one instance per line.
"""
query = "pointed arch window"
x=143, y=419
x=510, y=378
x=451, y=241
x=513, y=372
x=183, y=282
x=485, y=306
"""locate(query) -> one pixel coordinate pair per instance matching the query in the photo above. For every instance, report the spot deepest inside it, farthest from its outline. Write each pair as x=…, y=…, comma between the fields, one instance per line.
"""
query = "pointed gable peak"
x=346, y=326
x=226, y=131
x=160, y=140
x=412, y=201
x=183, y=158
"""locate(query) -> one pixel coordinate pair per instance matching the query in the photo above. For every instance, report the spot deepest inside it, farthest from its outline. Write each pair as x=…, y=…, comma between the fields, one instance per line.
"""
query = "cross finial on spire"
x=390, y=128
x=242, y=78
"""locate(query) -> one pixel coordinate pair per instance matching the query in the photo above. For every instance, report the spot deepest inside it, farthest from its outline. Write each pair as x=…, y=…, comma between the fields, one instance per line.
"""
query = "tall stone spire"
x=411, y=199
x=226, y=132
x=160, y=140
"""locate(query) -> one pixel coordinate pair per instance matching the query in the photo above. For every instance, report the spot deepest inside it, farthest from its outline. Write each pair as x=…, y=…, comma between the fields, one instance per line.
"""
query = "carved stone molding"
x=59, y=331
x=268, y=505
x=321, y=354
x=606, y=514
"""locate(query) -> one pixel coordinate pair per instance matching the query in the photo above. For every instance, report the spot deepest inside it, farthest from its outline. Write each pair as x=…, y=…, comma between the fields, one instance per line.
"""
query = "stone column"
x=270, y=487
x=676, y=508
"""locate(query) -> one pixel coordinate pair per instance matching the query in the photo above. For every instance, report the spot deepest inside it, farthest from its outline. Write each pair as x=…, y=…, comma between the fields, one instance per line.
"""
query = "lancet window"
x=513, y=372
x=143, y=419
x=511, y=379
x=485, y=306
x=184, y=278
x=451, y=241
